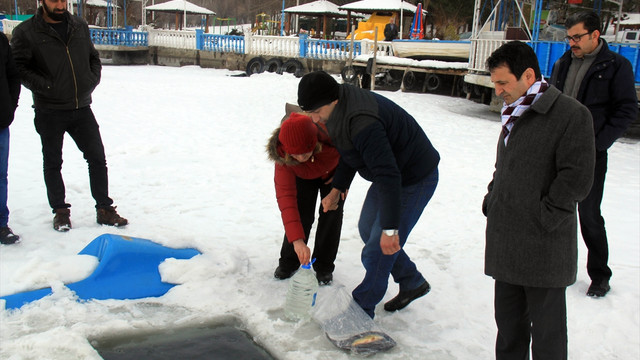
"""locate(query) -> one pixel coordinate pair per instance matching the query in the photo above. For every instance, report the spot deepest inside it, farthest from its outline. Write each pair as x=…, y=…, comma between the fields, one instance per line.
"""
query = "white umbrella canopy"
x=317, y=7
x=368, y=6
x=101, y=3
x=181, y=8
x=321, y=9
x=180, y=5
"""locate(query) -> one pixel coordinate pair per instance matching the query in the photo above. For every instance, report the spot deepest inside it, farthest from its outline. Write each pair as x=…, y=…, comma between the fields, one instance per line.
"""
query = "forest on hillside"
x=447, y=18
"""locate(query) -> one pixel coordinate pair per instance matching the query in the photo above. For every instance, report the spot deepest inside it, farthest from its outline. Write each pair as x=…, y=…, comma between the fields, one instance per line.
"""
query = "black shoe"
x=324, y=278
x=599, y=288
x=7, y=237
x=282, y=274
x=404, y=298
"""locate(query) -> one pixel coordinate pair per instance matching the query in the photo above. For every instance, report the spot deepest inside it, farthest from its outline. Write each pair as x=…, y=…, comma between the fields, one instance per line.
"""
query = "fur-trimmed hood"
x=274, y=149
x=275, y=152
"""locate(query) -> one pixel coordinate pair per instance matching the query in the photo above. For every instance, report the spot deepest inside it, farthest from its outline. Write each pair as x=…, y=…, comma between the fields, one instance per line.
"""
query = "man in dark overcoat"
x=544, y=166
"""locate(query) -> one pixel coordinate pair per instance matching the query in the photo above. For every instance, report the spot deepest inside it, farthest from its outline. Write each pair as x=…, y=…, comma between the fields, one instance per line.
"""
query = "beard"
x=53, y=14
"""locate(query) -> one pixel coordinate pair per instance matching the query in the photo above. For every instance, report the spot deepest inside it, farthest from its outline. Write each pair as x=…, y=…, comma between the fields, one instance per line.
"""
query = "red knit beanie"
x=298, y=134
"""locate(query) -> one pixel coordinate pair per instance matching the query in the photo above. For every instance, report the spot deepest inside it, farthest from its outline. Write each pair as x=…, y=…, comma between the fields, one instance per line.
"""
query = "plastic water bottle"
x=301, y=296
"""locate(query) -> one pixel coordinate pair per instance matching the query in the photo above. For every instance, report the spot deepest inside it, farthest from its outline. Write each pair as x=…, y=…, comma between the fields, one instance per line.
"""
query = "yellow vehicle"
x=366, y=29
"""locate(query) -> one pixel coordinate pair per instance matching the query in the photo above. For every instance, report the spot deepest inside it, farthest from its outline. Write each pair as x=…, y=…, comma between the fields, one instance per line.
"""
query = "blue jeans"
x=378, y=266
x=4, y=165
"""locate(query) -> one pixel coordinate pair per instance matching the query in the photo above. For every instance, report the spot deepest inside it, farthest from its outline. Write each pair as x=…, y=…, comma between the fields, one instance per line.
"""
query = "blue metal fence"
x=550, y=51
x=219, y=43
x=327, y=49
x=632, y=53
x=119, y=37
x=309, y=48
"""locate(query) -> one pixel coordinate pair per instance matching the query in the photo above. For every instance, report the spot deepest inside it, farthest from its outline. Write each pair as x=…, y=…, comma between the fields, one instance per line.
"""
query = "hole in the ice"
x=221, y=341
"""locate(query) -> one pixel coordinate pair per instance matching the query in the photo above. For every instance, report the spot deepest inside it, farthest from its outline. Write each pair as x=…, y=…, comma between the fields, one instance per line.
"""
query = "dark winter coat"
x=383, y=143
x=608, y=90
x=542, y=173
x=60, y=75
x=322, y=166
x=9, y=83
x=390, y=32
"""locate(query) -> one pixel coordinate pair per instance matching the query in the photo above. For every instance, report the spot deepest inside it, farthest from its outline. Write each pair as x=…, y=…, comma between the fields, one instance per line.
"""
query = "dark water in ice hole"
x=220, y=342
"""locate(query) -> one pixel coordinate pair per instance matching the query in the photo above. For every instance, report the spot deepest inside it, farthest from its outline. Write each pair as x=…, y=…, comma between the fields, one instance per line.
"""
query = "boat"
x=443, y=50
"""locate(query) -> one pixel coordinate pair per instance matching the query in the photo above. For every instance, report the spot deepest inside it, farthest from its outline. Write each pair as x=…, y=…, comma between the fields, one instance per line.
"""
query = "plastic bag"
x=346, y=325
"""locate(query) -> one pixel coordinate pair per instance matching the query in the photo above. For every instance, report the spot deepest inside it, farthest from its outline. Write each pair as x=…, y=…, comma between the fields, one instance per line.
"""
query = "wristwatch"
x=390, y=232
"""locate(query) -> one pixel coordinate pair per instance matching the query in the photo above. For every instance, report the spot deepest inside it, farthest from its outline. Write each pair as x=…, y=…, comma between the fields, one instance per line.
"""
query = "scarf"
x=511, y=113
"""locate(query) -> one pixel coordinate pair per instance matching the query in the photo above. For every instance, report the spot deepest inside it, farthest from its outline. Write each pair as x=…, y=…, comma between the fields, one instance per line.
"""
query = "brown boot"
x=109, y=216
x=62, y=221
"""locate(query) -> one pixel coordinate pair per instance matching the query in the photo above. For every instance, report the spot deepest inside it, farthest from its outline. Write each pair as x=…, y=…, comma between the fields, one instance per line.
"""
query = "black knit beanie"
x=316, y=89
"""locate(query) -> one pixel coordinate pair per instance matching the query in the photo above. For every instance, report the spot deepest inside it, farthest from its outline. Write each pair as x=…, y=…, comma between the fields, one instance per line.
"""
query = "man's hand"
x=389, y=244
x=330, y=202
x=303, y=251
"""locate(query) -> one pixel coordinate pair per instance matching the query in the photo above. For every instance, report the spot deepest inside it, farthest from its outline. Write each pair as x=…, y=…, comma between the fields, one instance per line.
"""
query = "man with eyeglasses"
x=604, y=82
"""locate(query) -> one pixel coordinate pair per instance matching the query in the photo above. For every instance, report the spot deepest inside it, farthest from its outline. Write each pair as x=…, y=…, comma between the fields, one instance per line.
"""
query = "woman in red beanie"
x=305, y=161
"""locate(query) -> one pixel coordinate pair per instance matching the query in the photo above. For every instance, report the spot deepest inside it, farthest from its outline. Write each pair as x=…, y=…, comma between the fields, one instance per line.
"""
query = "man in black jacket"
x=604, y=82
x=391, y=30
x=386, y=146
x=58, y=63
x=9, y=94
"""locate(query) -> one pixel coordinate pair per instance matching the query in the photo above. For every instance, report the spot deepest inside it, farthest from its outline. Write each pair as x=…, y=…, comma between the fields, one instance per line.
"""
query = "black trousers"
x=592, y=224
x=83, y=129
x=325, y=248
x=527, y=313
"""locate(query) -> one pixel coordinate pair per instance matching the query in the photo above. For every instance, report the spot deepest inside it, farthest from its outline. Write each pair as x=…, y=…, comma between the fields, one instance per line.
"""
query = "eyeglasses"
x=576, y=38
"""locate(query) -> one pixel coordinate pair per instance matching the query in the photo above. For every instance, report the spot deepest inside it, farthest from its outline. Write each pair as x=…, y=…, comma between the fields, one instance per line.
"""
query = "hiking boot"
x=62, y=221
x=282, y=273
x=404, y=298
x=7, y=237
x=109, y=216
x=324, y=278
x=599, y=288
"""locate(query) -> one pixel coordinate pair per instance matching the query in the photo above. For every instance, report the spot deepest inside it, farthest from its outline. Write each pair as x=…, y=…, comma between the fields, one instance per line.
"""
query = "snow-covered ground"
x=187, y=164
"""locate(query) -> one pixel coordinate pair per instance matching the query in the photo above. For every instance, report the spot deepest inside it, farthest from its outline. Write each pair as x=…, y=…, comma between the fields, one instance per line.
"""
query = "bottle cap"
x=308, y=265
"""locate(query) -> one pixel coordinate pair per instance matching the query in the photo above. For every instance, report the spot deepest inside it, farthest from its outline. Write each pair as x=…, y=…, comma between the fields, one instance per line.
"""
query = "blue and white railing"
x=220, y=43
x=119, y=37
x=282, y=46
x=328, y=49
